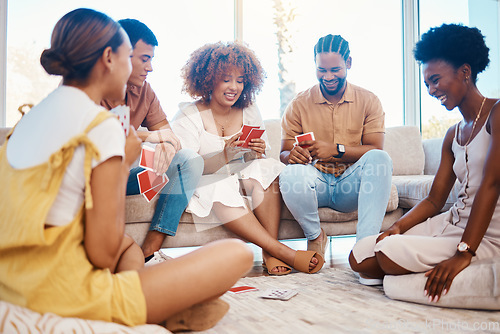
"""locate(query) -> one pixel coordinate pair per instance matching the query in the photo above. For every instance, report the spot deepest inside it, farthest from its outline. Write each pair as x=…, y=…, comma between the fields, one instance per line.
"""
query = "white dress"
x=425, y=245
x=223, y=186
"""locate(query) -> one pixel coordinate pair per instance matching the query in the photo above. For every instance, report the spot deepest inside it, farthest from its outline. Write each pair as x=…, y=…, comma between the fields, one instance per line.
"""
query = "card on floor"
x=254, y=134
x=123, y=114
x=148, y=180
x=241, y=289
x=245, y=130
x=147, y=158
x=304, y=137
x=280, y=294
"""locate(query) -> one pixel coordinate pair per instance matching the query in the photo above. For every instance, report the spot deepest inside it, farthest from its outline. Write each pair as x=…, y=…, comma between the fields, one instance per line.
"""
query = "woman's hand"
x=132, y=147
x=394, y=229
x=258, y=146
x=440, y=277
x=231, y=146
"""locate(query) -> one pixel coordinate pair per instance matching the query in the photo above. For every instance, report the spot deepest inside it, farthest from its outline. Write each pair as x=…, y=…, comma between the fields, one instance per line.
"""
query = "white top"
x=65, y=113
x=223, y=185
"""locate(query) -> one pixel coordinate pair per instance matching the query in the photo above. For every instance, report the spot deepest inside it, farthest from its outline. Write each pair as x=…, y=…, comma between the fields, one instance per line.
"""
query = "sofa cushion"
x=476, y=287
x=432, y=150
x=404, y=146
x=273, y=130
x=414, y=188
x=139, y=210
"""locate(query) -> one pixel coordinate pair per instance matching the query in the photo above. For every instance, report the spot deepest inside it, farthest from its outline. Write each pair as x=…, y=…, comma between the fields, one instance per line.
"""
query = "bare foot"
x=152, y=243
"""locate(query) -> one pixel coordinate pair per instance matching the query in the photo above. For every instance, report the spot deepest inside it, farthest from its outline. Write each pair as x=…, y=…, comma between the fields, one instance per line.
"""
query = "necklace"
x=475, y=121
x=222, y=127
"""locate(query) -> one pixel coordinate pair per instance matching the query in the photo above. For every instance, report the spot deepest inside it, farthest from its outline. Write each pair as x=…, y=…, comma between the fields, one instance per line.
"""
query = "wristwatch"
x=463, y=247
x=341, y=150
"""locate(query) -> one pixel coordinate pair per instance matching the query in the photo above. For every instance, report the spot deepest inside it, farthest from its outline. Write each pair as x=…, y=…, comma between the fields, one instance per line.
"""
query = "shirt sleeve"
x=291, y=124
x=155, y=113
x=109, y=139
x=375, y=118
x=187, y=130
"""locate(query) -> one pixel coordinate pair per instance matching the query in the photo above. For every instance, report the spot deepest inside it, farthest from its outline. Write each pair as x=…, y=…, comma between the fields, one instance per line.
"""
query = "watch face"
x=462, y=247
x=341, y=149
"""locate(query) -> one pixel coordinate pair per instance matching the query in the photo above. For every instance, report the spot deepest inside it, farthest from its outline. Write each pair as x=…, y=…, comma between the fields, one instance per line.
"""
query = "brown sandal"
x=303, y=258
x=272, y=263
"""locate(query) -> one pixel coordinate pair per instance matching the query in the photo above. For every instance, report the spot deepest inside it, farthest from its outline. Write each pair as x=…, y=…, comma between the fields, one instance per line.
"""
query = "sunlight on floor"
x=338, y=251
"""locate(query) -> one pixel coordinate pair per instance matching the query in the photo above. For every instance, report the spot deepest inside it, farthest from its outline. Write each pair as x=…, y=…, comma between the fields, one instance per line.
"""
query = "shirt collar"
x=320, y=99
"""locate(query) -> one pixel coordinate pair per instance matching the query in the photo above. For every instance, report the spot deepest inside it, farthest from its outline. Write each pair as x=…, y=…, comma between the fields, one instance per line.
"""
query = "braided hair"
x=332, y=43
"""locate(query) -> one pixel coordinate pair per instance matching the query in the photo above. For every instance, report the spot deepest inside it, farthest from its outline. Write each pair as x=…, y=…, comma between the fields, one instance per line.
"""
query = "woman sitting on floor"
x=63, y=171
x=225, y=78
x=423, y=240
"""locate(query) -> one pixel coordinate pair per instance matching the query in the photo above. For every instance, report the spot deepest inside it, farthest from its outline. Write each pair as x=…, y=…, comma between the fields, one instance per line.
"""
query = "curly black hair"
x=455, y=44
x=208, y=64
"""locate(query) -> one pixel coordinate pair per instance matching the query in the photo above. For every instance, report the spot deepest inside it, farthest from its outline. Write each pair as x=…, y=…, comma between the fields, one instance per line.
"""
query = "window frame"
x=411, y=73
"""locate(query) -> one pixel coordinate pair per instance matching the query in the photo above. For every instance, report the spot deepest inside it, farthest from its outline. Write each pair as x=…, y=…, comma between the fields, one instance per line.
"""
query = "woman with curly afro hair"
x=224, y=78
x=426, y=240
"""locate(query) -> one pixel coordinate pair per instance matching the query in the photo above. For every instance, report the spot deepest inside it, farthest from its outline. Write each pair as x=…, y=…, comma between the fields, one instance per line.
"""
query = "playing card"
x=148, y=180
x=241, y=289
x=304, y=137
x=280, y=294
x=123, y=114
x=245, y=130
x=151, y=193
x=147, y=158
x=254, y=134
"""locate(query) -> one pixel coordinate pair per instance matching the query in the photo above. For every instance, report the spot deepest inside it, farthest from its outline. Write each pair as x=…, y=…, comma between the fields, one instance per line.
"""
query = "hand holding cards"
x=150, y=184
x=250, y=132
x=123, y=115
x=304, y=137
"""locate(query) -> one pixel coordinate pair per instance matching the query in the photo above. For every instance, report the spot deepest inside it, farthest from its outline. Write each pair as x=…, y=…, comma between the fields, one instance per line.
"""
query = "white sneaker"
x=158, y=257
x=371, y=281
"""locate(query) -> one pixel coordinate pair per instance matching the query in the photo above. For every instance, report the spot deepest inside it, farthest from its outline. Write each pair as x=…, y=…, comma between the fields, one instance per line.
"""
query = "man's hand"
x=440, y=277
x=164, y=136
x=164, y=153
x=299, y=155
x=321, y=149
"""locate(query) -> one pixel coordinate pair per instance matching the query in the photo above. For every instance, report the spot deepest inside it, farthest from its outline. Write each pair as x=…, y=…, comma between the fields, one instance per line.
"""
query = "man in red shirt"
x=183, y=167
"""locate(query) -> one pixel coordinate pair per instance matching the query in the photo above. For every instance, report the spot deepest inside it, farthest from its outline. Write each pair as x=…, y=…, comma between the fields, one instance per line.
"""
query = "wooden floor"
x=335, y=256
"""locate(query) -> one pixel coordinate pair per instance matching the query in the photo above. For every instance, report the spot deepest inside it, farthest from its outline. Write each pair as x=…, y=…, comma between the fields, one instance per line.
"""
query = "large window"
x=282, y=33
x=482, y=14
x=180, y=27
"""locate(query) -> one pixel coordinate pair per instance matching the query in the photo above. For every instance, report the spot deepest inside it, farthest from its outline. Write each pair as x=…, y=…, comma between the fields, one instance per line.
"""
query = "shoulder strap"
x=62, y=157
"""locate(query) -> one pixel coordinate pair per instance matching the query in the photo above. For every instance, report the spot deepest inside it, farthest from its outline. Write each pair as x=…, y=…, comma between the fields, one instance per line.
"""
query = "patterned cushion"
x=17, y=319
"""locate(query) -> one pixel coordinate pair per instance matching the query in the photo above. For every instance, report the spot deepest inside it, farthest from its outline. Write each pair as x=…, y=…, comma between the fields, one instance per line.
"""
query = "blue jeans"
x=365, y=186
x=184, y=172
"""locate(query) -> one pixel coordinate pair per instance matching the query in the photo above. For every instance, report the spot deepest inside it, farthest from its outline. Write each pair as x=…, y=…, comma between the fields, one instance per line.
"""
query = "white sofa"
x=414, y=163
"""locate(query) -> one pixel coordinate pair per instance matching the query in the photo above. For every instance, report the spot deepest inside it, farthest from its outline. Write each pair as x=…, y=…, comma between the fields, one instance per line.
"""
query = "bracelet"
x=169, y=142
